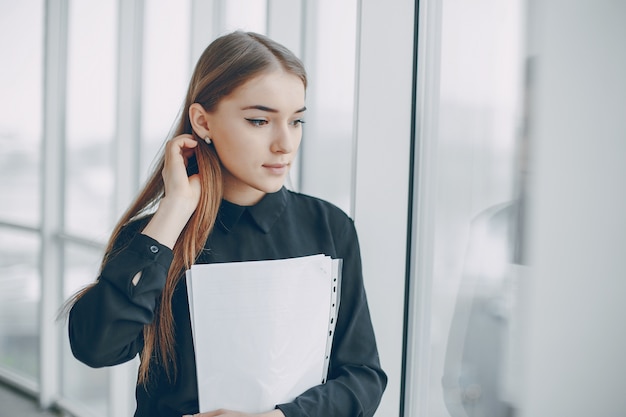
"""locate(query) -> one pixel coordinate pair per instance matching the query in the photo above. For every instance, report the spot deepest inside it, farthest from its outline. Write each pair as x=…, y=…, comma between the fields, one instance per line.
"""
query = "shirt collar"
x=264, y=213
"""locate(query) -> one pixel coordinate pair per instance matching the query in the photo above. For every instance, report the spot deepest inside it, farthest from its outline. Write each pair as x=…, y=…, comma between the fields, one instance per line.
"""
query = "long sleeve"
x=355, y=380
x=106, y=323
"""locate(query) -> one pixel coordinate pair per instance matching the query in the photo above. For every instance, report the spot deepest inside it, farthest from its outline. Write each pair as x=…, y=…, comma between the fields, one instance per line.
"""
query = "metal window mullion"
x=127, y=161
x=128, y=109
x=19, y=381
x=308, y=55
x=419, y=314
x=53, y=151
x=20, y=226
x=355, y=110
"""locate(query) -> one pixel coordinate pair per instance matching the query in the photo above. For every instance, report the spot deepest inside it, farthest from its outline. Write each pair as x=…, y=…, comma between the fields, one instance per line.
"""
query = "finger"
x=188, y=153
x=181, y=144
x=187, y=139
x=179, y=150
x=216, y=413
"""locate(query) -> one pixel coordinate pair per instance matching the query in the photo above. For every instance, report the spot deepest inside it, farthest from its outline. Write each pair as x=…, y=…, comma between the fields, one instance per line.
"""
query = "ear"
x=199, y=120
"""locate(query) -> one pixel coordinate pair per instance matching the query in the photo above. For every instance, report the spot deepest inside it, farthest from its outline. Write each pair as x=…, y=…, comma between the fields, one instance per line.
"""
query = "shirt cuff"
x=151, y=249
x=142, y=254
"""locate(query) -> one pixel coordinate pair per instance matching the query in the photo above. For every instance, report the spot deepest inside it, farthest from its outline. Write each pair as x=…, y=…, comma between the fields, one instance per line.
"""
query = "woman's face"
x=256, y=131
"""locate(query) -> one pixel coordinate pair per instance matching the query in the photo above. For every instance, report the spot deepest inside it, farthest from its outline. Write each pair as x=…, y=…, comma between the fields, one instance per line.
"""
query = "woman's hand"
x=230, y=413
x=180, y=188
x=182, y=193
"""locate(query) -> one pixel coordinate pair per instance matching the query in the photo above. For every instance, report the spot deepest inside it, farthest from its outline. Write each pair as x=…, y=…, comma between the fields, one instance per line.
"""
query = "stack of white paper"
x=262, y=330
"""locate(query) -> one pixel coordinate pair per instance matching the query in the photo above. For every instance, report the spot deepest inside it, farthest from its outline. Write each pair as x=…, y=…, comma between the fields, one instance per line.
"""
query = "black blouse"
x=106, y=324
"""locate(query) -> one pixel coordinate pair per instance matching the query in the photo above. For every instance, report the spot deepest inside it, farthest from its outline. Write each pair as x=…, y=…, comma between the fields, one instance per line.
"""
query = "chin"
x=272, y=188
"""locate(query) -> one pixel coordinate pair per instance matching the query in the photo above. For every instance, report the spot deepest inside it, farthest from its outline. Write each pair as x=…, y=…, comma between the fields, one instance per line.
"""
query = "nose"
x=284, y=140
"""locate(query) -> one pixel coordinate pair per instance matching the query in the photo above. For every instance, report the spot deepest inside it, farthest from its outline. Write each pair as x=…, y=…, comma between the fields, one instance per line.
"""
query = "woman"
x=225, y=167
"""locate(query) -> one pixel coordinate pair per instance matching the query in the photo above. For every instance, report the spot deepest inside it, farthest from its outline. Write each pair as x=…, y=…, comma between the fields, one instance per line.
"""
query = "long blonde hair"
x=227, y=63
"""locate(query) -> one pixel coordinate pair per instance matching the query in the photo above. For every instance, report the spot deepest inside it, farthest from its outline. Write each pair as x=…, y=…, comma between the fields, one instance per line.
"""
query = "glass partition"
x=20, y=110
x=476, y=151
x=84, y=386
x=91, y=94
x=247, y=15
x=165, y=73
x=20, y=294
x=328, y=142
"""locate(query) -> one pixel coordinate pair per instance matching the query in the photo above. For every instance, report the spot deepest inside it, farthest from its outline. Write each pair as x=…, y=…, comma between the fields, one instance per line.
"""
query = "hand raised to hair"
x=182, y=192
x=178, y=186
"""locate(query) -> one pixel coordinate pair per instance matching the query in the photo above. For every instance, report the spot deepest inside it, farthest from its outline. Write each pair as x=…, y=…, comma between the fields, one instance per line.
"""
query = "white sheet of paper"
x=261, y=329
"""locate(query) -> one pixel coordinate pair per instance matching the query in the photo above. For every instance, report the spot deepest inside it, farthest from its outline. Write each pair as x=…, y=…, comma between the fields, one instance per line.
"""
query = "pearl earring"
x=207, y=139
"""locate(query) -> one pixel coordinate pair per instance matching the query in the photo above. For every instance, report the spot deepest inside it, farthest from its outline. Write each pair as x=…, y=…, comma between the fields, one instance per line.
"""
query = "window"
x=94, y=63
x=165, y=73
x=91, y=87
x=20, y=160
x=471, y=193
x=20, y=292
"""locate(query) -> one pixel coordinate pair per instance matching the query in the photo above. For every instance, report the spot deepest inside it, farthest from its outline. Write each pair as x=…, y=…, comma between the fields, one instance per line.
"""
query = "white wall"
x=575, y=338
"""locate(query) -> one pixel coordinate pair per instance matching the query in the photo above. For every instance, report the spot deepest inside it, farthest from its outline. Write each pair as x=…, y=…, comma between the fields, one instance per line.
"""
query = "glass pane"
x=165, y=73
x=83, y=385
x=91, y=94
x=20, y=292
x=20, y=109
x=327, y=140
x=476, y=210
x=247, y=15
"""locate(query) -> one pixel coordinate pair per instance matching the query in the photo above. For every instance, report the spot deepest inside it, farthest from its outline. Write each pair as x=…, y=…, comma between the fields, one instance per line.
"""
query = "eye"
x=257, y=122
x=297, y=122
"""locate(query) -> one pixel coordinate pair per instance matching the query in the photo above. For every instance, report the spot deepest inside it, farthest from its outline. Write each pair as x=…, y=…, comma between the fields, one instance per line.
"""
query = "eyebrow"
x=269, y=109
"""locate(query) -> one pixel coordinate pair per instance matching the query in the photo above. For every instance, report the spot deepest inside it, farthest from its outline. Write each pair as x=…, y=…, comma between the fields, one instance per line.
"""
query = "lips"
x=277, y=169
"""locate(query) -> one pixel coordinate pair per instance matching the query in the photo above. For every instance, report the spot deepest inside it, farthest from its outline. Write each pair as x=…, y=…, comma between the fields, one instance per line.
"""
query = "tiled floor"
x=14, y=403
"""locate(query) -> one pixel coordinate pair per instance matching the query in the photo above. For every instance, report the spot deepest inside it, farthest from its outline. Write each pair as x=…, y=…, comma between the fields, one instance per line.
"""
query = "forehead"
x=277, y=89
